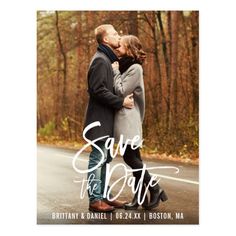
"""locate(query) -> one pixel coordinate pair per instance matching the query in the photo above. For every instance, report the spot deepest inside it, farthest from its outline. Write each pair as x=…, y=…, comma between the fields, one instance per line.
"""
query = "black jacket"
x=102, y=100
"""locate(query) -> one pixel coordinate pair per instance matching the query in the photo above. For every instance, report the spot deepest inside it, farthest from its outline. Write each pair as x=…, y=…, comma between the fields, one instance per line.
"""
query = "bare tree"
x=64, y=67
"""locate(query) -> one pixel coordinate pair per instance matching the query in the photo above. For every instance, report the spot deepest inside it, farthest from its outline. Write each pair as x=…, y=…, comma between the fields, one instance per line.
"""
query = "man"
x=101, y=107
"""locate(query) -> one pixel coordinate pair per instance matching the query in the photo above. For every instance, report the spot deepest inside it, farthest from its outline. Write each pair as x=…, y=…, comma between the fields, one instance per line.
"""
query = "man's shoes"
x=116, y=203
x=100, y=206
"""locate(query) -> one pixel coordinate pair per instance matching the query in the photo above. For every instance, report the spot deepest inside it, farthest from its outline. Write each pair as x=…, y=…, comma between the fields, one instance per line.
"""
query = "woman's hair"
x=134, y=48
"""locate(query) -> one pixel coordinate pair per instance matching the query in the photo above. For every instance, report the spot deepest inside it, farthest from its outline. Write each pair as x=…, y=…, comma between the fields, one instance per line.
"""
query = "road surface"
x=59, y=202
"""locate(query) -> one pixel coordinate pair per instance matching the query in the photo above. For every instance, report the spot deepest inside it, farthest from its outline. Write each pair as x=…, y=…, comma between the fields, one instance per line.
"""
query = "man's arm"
x=98, y=90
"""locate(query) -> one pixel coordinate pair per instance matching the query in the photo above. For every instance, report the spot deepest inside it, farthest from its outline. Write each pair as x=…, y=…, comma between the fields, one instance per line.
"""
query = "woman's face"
x=121, y=50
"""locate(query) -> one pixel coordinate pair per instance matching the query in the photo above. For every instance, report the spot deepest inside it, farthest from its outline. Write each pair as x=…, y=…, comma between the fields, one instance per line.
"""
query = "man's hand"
x=128, y=101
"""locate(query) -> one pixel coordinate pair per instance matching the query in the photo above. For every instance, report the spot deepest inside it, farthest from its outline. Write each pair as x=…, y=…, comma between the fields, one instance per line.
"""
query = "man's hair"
x=101, y=31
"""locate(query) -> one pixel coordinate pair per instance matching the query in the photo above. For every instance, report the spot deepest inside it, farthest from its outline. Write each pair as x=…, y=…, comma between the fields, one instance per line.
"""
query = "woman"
x=128, y=78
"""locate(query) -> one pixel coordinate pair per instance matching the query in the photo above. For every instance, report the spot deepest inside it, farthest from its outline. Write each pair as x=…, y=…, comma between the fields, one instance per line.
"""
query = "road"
x=59, y=199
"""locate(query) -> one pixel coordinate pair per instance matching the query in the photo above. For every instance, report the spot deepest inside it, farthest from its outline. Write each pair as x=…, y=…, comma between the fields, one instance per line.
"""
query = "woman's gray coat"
x=128, y=122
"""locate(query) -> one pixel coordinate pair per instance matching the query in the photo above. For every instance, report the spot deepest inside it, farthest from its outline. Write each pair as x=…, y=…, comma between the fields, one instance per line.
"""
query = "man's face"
x=112, y=38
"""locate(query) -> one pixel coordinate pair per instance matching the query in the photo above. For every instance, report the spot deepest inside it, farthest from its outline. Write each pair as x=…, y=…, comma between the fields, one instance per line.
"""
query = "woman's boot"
x=134, y=204
x=156, y=195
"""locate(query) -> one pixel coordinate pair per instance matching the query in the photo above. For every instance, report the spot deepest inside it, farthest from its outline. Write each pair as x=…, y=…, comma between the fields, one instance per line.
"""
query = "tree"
x=66, y=44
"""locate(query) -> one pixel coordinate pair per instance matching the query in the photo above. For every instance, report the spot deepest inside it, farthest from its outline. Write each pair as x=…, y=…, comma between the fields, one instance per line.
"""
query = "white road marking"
x=70, y=157
x=177, y=179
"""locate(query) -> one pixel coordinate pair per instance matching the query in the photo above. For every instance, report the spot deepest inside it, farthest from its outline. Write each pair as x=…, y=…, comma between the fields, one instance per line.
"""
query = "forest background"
x=65, y=46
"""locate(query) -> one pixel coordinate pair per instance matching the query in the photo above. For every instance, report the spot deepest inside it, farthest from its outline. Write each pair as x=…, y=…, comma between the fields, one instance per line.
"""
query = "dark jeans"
x=96, y=191
x=133, y=159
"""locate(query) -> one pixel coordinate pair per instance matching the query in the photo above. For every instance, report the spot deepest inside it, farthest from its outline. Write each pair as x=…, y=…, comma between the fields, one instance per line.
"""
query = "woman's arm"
x=126, y=85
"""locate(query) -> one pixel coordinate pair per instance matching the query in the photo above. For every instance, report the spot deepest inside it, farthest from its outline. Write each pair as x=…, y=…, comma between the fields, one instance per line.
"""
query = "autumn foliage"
x=65, y=45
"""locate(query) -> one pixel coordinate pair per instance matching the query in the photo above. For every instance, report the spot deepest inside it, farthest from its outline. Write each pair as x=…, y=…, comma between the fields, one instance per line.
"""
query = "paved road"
x=59, y=195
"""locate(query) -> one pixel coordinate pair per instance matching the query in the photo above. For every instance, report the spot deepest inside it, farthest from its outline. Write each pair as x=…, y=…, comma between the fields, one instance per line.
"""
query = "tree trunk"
x=167, y=65
x=159, y=77
x=174, y=63
x=195, y=60
x=133, y=23
x=64, y=69
x=80, y=73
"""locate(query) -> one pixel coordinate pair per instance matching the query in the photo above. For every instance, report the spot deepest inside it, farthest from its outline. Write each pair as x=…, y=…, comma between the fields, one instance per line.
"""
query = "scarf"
x=108, y=52
x=125, y=63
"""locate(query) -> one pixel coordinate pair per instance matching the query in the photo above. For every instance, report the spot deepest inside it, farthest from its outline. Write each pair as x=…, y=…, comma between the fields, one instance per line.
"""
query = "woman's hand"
x=115, y=65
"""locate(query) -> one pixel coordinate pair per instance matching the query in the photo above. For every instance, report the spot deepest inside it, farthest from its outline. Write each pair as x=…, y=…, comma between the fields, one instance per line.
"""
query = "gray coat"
x=129, y=121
